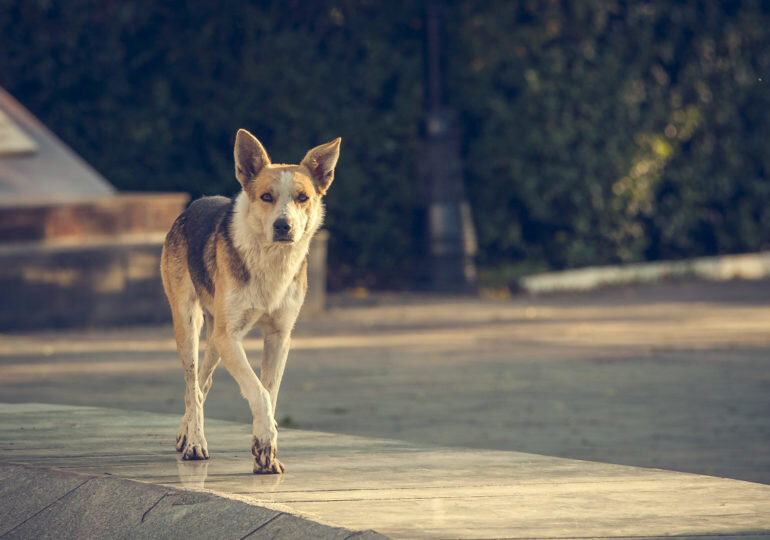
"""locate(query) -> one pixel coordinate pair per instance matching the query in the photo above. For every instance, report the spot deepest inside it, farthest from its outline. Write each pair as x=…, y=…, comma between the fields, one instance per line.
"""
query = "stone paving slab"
x=100, y=506
x=24, y=493
x=335, y=485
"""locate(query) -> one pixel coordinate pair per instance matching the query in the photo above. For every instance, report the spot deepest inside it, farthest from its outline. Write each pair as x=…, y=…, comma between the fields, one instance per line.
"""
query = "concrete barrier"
x=721, y=268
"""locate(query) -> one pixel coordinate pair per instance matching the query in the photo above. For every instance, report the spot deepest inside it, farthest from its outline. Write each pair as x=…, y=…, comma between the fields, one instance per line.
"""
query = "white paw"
x=191, y=442
x=264, y=447
x=195, y=450
x=181, y=435
x=265, y=460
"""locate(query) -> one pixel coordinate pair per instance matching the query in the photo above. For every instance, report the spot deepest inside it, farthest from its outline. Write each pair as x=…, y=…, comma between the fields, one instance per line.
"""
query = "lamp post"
x=451, y=237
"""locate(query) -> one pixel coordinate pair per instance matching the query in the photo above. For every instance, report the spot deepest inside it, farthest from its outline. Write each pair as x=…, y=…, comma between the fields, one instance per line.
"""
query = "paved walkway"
x=674, y=375
x=339, y=484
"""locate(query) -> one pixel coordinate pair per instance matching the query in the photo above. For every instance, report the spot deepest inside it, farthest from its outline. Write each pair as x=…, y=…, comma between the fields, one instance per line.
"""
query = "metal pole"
x=451, y=237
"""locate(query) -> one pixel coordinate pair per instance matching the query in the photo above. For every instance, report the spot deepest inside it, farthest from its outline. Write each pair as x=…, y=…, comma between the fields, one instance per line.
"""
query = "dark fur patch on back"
x=199, y=224
x=175, y=238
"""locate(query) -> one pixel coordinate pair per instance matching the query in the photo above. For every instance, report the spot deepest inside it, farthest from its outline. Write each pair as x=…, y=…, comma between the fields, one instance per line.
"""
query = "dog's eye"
x=266, y=197
x=302, y=197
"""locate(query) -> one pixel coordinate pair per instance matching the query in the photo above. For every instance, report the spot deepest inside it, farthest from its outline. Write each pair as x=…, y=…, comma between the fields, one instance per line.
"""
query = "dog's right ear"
x=250, y=157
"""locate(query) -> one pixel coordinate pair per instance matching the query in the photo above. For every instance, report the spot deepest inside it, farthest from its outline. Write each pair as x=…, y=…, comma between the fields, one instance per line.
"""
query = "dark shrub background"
x=594, y=131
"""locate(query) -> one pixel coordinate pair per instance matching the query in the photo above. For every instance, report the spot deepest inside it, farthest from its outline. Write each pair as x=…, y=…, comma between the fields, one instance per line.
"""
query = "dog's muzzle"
x=282, y=231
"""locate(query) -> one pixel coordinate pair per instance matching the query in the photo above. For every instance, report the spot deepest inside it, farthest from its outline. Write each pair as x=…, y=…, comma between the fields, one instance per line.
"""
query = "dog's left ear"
x=320, y=161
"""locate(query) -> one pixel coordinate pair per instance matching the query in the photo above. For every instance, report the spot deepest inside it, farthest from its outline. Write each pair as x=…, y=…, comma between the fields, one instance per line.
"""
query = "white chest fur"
x=272, y=266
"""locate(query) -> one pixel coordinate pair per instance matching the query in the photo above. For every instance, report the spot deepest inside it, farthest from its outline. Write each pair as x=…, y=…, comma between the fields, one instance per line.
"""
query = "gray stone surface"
x=338, y=484
x=367, y=535
x=289, y=527
x=99, y=508
x=46, y=503
x=201, y=515
x=25, y=492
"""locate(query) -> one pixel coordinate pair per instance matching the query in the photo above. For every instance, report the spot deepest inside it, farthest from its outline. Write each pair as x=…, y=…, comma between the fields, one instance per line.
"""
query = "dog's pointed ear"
x=250, y=157
x=320, y=161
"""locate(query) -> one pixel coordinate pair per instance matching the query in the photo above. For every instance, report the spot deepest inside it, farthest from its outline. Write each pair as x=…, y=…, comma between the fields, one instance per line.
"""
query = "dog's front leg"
x=264, y=432
x=274, y=356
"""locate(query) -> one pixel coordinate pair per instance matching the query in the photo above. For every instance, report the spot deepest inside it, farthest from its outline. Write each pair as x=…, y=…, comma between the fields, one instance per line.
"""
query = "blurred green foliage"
x=595, y=131
x=605, y=131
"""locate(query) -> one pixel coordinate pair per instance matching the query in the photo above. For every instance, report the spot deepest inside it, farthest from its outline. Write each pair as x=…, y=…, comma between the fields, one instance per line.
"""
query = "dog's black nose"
x=281, y=227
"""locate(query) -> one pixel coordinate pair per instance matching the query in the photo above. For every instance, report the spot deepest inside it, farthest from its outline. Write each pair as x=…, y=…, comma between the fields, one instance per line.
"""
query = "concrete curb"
x=721, y=268
x=54, y=503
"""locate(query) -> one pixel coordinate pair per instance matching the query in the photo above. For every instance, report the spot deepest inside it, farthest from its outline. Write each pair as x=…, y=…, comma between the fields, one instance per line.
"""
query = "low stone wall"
x=88, y=284
x=90, y=217
x=105, y=282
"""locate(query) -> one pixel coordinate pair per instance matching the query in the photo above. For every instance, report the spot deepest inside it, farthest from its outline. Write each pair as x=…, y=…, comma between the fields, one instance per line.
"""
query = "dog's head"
x=284, y=200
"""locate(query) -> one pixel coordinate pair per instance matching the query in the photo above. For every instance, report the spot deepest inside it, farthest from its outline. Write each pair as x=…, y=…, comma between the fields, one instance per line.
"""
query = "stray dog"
x=238, y=263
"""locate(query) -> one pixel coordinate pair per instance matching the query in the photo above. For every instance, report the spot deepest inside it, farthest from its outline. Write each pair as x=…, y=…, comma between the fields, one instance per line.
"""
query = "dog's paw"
x=181, y=440
x=195, y=450
x=191, y=443
x=181, y=436
x=265, y=460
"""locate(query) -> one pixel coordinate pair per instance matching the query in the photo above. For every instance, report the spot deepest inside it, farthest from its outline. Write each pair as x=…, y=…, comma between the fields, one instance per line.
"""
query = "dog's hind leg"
x=188, y=320
x=210, y=358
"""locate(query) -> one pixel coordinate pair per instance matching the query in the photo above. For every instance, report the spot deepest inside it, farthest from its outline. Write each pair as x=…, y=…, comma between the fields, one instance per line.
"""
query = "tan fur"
x=250, y=270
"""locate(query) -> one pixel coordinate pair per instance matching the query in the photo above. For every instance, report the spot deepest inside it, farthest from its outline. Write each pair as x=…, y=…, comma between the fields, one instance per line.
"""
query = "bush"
x=595, y=131
x=605, y=132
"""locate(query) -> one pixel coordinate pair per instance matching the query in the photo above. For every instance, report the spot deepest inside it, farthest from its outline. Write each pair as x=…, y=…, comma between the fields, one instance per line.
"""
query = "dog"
x=239, y=263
